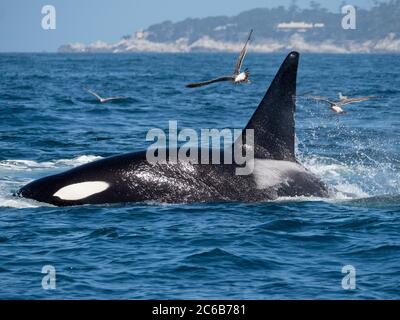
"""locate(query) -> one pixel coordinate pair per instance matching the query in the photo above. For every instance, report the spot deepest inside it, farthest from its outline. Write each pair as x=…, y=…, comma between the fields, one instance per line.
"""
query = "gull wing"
x=114, y=98
x=242, y=54
x=93, y=93
x=355, y=100
x=323, y=99
x=204, y=83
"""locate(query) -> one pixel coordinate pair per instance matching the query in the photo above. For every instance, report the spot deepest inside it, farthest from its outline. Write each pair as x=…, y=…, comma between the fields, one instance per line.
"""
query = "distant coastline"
x=314, y=30
x=389, y=44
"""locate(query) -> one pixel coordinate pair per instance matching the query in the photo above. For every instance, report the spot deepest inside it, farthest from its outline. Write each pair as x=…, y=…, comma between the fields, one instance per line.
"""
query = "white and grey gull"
x=336, y=106
x=104, y=100
x=237, y=76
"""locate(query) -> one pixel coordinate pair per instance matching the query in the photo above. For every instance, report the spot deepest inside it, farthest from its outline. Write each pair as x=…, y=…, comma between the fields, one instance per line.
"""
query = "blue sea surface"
x=283, y=249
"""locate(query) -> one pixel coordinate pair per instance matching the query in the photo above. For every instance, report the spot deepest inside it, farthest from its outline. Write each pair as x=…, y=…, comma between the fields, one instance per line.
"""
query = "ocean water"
x=283, y=249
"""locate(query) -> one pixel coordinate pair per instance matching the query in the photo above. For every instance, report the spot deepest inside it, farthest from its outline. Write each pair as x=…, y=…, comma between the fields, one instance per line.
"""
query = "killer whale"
x=131, y=178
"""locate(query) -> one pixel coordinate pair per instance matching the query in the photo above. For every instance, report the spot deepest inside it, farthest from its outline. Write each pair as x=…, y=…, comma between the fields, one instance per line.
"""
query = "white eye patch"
x=81, y=190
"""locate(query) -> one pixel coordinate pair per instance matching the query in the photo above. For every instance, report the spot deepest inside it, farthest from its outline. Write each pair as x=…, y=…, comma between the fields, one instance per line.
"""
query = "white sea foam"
x=356, y=180
x=19, y=203
x=9, y=201
x=24, y=165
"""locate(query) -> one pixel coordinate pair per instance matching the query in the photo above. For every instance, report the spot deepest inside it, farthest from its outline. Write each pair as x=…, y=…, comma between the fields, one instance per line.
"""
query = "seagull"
x=237, y=76
x=336, y=106
x=104, y=100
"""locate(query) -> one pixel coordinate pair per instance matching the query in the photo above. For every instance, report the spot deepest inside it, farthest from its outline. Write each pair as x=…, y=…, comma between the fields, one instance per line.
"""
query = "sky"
x=108, y=20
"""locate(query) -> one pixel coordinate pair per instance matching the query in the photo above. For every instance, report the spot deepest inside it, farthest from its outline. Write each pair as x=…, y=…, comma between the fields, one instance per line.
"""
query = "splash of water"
x=14, y=176
x=28, y=165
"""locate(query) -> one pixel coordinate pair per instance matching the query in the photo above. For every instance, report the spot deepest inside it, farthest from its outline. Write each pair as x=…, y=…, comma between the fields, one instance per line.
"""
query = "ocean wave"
x=377, y=251
x=7, y=200
x=24, y=165
x=223, y=258
x=388, y=200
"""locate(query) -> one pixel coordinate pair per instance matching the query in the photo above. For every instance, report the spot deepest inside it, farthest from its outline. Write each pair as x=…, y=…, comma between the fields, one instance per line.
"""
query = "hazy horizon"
x=89, y=20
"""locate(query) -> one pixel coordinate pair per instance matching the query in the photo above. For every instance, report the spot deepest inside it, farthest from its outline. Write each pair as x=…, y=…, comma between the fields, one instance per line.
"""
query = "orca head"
x=40, y=190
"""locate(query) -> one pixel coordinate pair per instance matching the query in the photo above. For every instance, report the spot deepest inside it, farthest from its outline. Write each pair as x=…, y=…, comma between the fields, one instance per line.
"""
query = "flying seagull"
x=346, y=99
x=336, y=106
x=103, y=100
x=237, y=76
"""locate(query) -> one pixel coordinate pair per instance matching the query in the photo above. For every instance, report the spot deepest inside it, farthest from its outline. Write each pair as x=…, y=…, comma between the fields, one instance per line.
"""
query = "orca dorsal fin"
x=273, y=121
